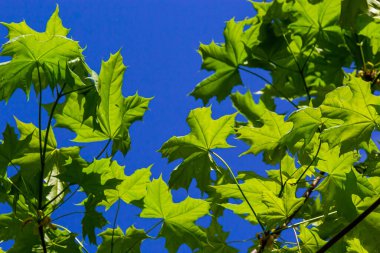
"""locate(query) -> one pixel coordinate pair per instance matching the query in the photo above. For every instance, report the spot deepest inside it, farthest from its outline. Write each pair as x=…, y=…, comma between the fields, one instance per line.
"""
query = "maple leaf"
x=356, y=108
x=310, y=240
x=262, y=194
x=26, y=240
x=178, y=218
x=266, y=130
x=306, y=122
x=105, y=115
x=131, y=240
x=341, y=180
x=354, y=245
x=92, y=219
x=55, y=158
x=72, y=115
x=11, y=148
x=131, y=187
x=34, y=52
x=95, y=180
x=217, y=239
x=314, y=18
x=224, y=60
x=206, y=134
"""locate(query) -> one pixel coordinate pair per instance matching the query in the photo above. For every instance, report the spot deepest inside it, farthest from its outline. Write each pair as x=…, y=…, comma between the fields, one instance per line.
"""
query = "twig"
x=303, y=173
x=242, y=241
x=114, y=223
x=241, y=190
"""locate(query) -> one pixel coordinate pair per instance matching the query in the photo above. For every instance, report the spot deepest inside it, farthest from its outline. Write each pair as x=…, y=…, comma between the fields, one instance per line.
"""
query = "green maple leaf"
x=369, y=28
x=262, y=194
x=11, y=148
x=306, y=122
x=55, y=159
x=134, y=109
x=367, y=230
x=354, y=246
x=26, y=240
x=288, y=173
x=110, y=109
x=107, y=115
x=316, y=18
x=357, y=108
x=217, y=239
x=61, y=241
x=12, y=229
x=129, y=241
x=206, y=134
x=224, y=60
x=131, y=188
x=178, y=218
x=311, y=241
x=350, y=10
x=72, y=115
x=266, y=130
x=246, y=106
x=341, y=180
x=34, y=52
x=95, y=178
x=92, y=219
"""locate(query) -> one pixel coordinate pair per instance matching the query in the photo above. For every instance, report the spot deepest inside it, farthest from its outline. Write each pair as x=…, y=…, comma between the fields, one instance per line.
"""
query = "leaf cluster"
x=321, y=155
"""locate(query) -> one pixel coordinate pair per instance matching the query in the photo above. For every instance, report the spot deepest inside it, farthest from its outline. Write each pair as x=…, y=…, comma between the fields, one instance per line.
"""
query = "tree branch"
x=349, y=227
x=241, y=190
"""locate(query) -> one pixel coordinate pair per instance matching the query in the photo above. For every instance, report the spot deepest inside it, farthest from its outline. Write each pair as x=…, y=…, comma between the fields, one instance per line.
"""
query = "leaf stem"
x=76, y=239
x=42, y=162
x=104, y=149
x=64, y=201
x=297, y=241
x=300, y=70
x=303, y=173
x=114, y=223
x=311, y=163
x=350, y=226
x=147, y=232
x=267, y=81
x=55, y=197
x=241, y=190
x=42, y=237
x=79, y=89
x=68, y=214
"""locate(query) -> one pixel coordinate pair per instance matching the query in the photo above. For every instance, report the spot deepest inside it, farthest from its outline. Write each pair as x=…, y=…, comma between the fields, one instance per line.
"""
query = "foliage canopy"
x=324, y=177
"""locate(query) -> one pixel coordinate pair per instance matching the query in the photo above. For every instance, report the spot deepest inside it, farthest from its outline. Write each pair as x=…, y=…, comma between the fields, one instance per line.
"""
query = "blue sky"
x=159, y=40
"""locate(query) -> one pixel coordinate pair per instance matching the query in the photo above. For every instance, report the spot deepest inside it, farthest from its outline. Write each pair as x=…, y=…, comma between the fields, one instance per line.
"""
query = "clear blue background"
x=159, y=40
